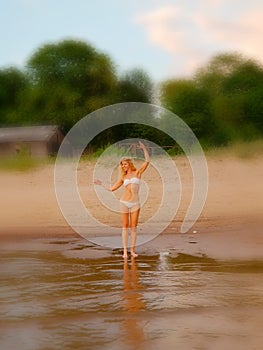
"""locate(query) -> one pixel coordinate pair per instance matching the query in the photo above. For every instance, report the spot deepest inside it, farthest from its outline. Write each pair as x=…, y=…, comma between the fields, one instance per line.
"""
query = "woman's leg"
x=134, y=217
x=125, y=225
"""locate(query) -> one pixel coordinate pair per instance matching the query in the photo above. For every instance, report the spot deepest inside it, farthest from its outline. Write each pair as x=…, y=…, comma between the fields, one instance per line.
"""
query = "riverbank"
x=235, y=194
x=230, y=223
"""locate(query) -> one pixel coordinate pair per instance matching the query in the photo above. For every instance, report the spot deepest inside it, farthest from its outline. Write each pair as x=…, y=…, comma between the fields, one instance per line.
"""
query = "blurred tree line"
x=64, y=81
x=223, y=102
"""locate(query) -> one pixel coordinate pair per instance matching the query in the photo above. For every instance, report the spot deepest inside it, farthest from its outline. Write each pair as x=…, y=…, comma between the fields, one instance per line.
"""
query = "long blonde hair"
x=129, y=161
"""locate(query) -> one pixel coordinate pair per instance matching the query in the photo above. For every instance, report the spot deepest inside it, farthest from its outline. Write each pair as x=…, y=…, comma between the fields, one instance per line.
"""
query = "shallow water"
x=51, y=300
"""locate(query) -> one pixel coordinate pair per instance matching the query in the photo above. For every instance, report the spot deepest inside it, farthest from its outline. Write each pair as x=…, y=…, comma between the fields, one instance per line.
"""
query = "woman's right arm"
x=111, y=189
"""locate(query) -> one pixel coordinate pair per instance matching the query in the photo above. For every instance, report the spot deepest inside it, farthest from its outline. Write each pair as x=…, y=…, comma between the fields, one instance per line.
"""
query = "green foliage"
x=212, y=75
x=174, y=151
x=64, y=81
x=223, y=101
x=12, y=85
x=107, y=151
x=244, y=78
x=69, y=80
x=74, y=64
x=191, y=103
x=135, y=85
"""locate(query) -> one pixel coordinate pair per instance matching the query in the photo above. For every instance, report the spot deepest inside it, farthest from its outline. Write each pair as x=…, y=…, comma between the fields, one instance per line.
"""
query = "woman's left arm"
x=146, y=156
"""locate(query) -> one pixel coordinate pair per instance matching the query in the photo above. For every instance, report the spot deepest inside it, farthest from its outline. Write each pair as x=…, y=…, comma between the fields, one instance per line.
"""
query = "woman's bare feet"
x=134, y=255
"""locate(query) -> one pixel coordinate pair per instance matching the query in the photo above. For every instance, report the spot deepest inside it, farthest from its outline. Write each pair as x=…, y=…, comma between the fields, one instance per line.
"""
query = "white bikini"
x=126, y=182
x=132, y=180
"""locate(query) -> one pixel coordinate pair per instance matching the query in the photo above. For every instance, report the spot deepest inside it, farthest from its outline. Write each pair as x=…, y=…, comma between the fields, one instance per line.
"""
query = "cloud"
x=243, y=34
x=215, y=3
x=162, y=29
x=251, y=37
x=192, y=37
x=171, y=29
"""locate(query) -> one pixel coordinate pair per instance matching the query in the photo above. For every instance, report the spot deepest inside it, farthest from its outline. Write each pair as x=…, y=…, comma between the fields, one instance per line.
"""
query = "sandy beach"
x=234, y=204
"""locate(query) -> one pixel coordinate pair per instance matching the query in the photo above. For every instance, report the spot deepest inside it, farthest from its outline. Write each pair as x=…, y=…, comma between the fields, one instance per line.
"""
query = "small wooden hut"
x=35, y=141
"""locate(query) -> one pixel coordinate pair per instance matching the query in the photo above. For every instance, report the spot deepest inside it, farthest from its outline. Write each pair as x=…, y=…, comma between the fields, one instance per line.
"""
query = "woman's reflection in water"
x=133, y=304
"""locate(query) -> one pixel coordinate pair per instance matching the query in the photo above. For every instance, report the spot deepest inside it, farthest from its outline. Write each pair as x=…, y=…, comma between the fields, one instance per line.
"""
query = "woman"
x=129, y=203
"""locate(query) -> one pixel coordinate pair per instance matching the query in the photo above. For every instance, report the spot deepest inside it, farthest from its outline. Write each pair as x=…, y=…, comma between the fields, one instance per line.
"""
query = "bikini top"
x=132, y=180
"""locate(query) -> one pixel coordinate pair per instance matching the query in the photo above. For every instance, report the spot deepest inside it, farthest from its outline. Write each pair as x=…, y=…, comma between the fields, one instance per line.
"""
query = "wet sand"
x=230, y=241
x=63, y=292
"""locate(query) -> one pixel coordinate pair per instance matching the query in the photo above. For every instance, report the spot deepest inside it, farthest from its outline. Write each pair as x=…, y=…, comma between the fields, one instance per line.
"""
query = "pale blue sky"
x=167, y=38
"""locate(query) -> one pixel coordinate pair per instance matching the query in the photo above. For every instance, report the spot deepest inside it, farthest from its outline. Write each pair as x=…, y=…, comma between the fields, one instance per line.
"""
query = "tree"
x=245, y=78
x=12, y=84
x=253, y=110
x=234, y=84
x=135, y=86
x=212, y=75
x=240, y=95
x=189, y=102
x=69, y=80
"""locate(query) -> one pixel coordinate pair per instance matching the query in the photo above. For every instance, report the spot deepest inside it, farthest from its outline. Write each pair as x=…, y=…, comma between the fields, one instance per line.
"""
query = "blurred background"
x=201, y=60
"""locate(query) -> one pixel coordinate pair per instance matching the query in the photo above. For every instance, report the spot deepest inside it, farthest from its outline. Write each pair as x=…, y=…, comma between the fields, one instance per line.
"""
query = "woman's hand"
x=146, y=156
x=141, y=145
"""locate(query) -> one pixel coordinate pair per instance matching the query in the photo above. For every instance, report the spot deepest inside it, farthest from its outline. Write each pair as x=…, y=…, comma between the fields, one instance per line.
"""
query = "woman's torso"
x=131, y=185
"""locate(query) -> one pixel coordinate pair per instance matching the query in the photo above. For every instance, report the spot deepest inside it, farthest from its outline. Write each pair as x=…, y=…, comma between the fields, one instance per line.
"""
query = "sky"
x=167, y=38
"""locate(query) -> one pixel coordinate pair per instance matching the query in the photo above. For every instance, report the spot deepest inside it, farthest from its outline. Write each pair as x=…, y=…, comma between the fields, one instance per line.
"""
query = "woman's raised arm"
x=146, y=156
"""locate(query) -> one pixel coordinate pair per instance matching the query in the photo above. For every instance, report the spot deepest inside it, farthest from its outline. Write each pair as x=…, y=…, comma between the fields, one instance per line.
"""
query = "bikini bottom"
x=130, y=205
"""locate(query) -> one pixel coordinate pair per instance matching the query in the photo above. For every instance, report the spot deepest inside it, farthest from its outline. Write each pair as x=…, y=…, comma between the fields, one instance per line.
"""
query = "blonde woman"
x=130, y=178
